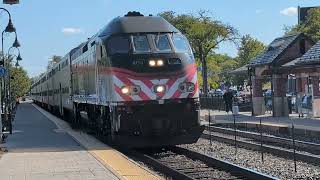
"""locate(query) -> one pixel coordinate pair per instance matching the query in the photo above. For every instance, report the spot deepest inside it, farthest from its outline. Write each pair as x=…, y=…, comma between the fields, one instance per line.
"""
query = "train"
x=133, y=83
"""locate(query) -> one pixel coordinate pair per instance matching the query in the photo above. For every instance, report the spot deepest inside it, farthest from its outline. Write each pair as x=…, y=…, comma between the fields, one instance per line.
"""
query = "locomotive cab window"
x=162, y=43
x=141, y=44
x=118, y=45
x=180, y=43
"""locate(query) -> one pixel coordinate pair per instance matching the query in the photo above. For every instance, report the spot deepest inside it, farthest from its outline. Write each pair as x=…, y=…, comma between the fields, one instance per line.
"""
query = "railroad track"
x=181, y=163
x=271, y=144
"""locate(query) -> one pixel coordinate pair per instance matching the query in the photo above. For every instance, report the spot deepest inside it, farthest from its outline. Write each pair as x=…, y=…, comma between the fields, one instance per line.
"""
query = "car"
x=218, y=92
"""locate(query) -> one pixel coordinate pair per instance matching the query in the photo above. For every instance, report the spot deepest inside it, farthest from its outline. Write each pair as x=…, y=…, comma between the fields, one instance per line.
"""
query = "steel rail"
x=265, y=148
x=234, y=170
x=224, y=165
x=301, y=145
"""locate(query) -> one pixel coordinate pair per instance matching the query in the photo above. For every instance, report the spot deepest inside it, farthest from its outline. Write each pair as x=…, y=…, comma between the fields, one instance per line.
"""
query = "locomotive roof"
x=137, y=24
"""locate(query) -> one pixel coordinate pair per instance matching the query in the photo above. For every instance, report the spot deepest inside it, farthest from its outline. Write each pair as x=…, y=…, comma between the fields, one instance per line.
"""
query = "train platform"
x=43, y=146
x=304, y=125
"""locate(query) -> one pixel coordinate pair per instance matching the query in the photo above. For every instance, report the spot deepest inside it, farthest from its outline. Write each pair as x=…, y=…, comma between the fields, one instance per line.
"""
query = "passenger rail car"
x=134, y=82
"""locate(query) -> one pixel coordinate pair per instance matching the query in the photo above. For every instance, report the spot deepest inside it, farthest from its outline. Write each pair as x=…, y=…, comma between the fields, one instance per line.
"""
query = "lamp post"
x=18, y=58
x=8, y=91
x=9, y=28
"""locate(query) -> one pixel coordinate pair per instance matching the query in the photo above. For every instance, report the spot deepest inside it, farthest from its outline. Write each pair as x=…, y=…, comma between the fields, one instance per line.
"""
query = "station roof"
x=241, y=70
x=274, y=50
x=312, y=56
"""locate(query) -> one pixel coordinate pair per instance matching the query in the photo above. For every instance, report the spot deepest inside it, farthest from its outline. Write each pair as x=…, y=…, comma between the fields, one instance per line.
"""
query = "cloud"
x=70, y=30
x=290, y=11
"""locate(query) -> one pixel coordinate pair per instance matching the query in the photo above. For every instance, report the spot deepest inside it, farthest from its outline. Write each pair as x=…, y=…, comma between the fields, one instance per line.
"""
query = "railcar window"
x=181, y=44
x=85, y=48
x=162, y=42
x=141, y=44
x=118, y=44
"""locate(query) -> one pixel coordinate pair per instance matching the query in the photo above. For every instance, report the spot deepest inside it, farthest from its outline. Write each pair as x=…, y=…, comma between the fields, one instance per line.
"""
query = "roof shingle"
x=275, y=48
x=312, y=56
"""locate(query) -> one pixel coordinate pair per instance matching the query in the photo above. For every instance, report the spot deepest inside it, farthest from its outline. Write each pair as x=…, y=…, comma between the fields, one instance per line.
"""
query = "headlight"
x=152, y=63
x=130, y=90
x=125, y=90
x=156, y=63
x=187, y=87
x=160, y=62
x=159, y=88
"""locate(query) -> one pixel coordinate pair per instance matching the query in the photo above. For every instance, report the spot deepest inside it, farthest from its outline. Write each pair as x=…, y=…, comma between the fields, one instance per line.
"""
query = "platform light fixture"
x=17, y=64
x=11, y=2
x=16, y=43
x=10, y=28
x=19, y=57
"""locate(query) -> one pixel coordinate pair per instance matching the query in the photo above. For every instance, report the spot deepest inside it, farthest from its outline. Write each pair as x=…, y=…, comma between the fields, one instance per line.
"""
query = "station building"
x=290, y=63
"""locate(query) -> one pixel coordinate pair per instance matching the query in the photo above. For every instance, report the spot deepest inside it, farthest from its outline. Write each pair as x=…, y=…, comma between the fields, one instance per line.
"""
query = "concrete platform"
x=309, y=126
x=45, y=147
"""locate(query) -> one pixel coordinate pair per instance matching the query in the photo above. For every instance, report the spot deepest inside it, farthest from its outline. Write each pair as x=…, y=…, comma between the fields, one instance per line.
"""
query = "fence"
x=217, y=103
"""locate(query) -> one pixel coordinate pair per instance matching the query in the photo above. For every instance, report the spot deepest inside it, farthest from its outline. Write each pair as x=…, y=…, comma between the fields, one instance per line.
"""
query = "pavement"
x=305, y=123
x=46, y=148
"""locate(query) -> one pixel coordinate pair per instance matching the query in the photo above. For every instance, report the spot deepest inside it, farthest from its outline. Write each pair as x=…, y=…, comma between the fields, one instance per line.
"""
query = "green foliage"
x=20, y=84
x=53, y=60
x=249, y=48
x=205, y=35
x=311, y=27
x=219, y=66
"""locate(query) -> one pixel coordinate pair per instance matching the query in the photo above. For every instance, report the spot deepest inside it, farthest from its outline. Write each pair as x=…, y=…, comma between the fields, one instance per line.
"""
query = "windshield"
x=118, y=44
x=180, y=43
x=141, y=43
x=162, y=43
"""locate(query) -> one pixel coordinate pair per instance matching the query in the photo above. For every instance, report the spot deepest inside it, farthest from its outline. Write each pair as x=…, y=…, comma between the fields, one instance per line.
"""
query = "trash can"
x=235, y=109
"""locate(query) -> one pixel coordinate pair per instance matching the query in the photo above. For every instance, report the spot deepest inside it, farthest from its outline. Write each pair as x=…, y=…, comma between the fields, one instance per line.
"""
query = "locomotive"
x=134, y=83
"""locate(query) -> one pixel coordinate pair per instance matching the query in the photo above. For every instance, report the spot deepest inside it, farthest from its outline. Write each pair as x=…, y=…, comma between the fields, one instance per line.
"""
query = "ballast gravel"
x=272, y=165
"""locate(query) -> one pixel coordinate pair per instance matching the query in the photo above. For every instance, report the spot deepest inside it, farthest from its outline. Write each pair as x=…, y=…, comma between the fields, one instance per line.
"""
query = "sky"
x=53, y=27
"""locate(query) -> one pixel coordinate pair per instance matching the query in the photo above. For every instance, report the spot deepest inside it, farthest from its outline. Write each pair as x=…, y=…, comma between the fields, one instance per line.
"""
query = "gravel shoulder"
x=272, y=165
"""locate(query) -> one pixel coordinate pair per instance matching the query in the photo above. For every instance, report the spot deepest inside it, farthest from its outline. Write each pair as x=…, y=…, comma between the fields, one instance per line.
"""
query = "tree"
x=219, y=66
x=249, y=48
x=20, y=82
x=53, y=60
x=204, y=33
x=311, y=27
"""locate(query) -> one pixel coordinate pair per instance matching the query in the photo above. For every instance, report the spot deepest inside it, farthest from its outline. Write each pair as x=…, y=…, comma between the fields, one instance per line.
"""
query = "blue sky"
x=53, y=27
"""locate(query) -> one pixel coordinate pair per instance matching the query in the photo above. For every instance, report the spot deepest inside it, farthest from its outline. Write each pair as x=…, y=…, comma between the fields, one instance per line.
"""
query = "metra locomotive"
x=134, y=82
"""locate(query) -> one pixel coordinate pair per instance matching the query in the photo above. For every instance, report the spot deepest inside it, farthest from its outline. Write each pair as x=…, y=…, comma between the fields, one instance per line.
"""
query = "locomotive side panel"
x=66, y=83
x=106, y=92
x=84, y=74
